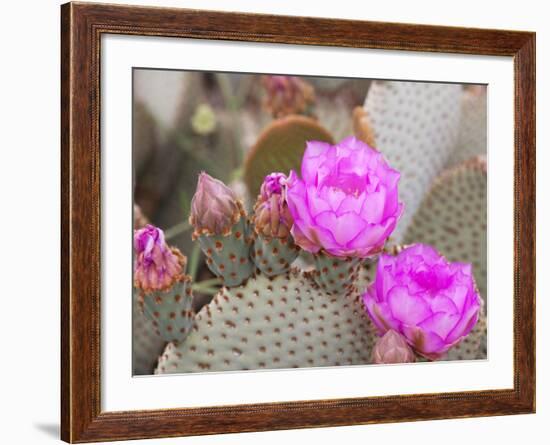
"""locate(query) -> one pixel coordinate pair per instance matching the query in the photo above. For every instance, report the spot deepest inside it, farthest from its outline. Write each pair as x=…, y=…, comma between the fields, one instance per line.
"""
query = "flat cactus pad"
x=472, y=134
x=281, y=322
x=147, y=345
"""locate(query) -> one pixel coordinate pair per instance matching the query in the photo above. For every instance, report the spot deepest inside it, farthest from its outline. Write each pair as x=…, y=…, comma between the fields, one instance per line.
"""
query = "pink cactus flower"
x=271, y=214
x=433, y=303
x=156, y=266
x=392, y=348
x=346, y=202
x=214, y=207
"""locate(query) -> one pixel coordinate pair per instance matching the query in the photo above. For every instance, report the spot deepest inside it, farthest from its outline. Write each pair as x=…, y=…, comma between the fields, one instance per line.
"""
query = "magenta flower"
x=392, y=348
x=434, y=304
x=346, y=202
x=156, y=266
x=271, y=214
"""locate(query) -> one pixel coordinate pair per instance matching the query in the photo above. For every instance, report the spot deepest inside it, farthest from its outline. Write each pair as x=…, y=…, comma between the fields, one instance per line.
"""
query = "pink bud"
x=271, y=214
x=156, y=266
x=214, y=208
x=392, y=348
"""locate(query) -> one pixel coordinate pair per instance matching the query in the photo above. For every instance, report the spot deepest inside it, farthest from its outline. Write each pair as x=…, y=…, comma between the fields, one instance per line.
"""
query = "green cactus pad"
x=281, y=322
x=416, y=128
x=273, y=256
x=453, y=217
x=280, y=148
x=335, y=275
x=472, y=133
x=171, y=312
x=227, y=256
x=147, y=345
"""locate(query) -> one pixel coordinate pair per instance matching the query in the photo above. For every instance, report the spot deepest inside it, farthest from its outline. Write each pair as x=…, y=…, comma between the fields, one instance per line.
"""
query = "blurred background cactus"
x=239, y=128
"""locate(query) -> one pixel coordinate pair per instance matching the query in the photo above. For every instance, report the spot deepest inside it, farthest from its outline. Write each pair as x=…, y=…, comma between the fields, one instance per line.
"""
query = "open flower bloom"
x=392, y=348
x=156, y=266
x=346, y=201
x=434, y=304
x=271, y=214
x=214, y=207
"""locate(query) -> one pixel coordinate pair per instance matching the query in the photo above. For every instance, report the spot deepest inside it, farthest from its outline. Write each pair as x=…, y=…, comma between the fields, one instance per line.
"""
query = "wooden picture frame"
x=82, y=26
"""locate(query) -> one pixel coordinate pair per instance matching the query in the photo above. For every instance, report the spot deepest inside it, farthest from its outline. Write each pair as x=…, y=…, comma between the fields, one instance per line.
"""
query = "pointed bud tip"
x=214, y=207
x=392, y=348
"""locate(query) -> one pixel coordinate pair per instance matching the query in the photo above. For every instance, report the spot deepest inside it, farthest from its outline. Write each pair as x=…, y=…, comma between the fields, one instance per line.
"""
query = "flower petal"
x=466, y=323
x=379, y=313
x=458, y=294
x=372, y=237
x=312, y=160
x=409, y=309
x=440, y=323
x=343, y=227
x=297, y=202
x=428, y=344
x=373, y=207
x=444, y=304
x=303, y=241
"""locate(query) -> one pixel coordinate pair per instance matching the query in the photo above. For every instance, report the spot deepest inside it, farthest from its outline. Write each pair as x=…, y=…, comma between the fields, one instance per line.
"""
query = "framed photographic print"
x=279, y=222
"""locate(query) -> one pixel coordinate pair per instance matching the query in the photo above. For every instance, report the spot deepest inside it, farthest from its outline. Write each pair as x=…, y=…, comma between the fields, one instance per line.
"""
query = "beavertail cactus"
x=288, y=321
x=316, y=273
x=280, y=322
x=221, y=227
x=283, y=318
x=164, y=294
x=274, y=249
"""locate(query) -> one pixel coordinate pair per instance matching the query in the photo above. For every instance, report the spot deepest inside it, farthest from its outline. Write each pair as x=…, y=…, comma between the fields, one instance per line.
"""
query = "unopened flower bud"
x=392, y=348
x=214, y=208
x=271, y=215
x=156, y=265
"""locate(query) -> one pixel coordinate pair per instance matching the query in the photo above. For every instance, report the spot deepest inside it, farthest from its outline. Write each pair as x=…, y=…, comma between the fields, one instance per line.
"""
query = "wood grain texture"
x=81, y=28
